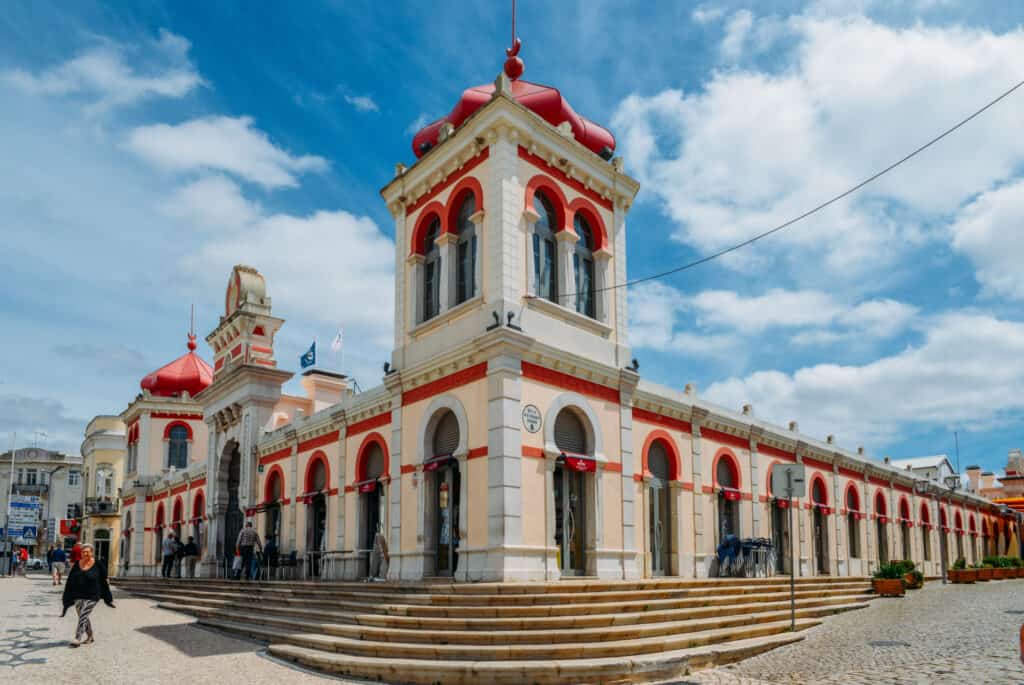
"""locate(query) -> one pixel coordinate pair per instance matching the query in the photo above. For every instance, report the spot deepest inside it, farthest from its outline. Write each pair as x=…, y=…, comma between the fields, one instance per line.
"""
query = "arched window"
x=446, y=435
x=570, y=435
x=658, y=461
x=432, y=271
x=318, y=477
x=583, y=265
x=818, y=495
x=545, y=255
x=273, y=493
x=465, y=285
x=177, y=447
x=852, y=522
x=724, y=475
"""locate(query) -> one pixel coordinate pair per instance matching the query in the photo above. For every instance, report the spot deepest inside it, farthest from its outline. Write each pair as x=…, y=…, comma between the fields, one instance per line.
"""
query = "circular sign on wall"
x=531, y=418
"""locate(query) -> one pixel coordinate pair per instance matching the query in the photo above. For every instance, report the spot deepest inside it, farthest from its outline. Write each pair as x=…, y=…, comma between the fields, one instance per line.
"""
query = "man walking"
x=167, y=549
x=248, y=541
x=191, y=554
x=23, y=561
x=59, y=563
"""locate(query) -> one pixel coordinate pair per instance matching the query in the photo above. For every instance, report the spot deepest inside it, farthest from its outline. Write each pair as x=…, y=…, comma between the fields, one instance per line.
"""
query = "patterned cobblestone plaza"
x=952, y=634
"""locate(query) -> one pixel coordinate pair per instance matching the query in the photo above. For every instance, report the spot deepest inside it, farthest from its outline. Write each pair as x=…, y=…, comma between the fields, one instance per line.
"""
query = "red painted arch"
x=468, y=185
x=317, y=456
x=198, y=505
x=856, y=496
x=958, y=520
x=178, y=511
x=904, y=508
x=734, y=466
x=943, y=518
x=670, y=447
x=159, y=520
x=593, y=217
x=817, y=477
x=419, y=233
x=275, y=472
x=372, y=438
x=881, y=508
x=555, y=194
x=768, y=481
x=971, y=525
x=926, y=515
x=172, y=424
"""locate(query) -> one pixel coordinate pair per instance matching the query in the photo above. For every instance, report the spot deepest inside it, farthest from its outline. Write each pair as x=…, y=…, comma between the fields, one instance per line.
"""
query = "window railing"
x=101, y=505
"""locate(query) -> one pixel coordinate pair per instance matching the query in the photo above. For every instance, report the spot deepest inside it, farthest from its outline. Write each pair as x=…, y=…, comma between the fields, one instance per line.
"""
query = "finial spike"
x=192, y=328
x=514, y=65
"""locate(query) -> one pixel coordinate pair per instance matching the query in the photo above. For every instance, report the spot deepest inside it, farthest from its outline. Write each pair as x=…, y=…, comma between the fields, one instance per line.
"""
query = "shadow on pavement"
x=193, y=641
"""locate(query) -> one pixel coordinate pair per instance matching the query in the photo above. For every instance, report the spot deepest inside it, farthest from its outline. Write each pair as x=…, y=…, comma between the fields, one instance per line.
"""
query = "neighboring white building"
x=54, y=477
x=934, y=468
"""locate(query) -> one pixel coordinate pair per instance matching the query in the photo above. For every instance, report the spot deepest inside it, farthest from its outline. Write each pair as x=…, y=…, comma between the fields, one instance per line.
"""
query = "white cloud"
x=111, y=74
x=990, y=231
x=754, y=148
x=220, y=143
x=362, y=103
x=418, y=123
x=879, y=318
x=213, y=202
x=326, y=267
x=776, y=308
x=706, y=14
x=736, y=31
x=948, y=379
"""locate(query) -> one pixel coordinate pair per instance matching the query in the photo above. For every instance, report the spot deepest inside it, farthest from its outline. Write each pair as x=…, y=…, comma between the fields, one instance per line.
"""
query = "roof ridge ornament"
x=514, y=66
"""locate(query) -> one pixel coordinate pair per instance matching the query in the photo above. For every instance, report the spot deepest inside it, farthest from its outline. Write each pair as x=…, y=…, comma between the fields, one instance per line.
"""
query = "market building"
x=513, y=436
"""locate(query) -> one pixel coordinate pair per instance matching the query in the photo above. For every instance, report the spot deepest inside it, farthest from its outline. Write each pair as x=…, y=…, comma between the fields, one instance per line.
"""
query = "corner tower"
x=513, y=214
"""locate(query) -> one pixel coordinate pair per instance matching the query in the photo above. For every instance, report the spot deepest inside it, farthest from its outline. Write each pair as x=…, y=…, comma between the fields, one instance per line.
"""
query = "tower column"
x=447, y=244
x=566, y=241
x=506, y=559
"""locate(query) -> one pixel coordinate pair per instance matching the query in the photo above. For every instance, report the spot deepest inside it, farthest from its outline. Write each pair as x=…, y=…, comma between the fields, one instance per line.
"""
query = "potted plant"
x=887, y=581
x=985, y=571
x=960, y=573
x=1018, y=565
x=912, y=578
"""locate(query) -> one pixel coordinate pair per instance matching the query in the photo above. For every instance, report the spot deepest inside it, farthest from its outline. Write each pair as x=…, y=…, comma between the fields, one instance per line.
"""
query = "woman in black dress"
x=85, y=587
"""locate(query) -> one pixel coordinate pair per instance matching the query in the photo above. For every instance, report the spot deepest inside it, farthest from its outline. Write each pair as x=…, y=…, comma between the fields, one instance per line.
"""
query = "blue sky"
x=149, y=146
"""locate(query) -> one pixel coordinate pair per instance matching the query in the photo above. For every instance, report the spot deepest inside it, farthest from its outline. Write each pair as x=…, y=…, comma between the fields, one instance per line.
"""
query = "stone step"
x=493, y=611
x=542, y=652
x=751, y=614
x=668, y=665
x=433, y=625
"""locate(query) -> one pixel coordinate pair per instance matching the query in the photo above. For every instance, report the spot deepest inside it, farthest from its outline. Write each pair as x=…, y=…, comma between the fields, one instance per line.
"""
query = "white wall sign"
x=531, y=418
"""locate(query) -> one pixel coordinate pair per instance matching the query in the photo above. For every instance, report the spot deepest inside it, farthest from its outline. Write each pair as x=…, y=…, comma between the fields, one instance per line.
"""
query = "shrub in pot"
x=959, y=573
x=985, y=572
x=887, y=581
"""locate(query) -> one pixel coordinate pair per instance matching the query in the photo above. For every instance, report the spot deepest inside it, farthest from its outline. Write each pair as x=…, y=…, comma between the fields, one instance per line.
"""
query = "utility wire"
x=814, y=210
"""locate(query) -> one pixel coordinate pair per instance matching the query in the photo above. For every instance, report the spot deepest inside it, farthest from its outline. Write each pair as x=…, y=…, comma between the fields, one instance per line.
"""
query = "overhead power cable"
x=836, y=198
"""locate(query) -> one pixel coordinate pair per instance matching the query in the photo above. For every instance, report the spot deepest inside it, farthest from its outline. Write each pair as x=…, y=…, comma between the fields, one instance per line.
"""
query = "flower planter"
x=1020, y=572
x=1004, y=573
x=911, y=582
x=888, y=587
x=964, y=575
x=985, y=573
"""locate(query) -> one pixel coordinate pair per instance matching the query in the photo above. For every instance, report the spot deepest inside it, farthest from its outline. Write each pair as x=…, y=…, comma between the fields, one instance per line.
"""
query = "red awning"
x=782, y=503
x=580, y=463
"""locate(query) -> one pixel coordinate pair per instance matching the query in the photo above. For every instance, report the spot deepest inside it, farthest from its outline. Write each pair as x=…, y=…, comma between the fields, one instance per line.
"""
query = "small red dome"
x=543, y=100
x=188, y=373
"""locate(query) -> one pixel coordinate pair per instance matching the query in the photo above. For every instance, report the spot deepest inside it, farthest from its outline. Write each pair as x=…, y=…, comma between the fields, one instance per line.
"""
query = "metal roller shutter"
x=570, y=436
x=374, y=462
x=446, y=435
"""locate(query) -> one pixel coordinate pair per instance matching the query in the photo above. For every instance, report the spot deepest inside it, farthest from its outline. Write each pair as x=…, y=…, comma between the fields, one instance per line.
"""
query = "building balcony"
x=35, y=489
x=101, y=506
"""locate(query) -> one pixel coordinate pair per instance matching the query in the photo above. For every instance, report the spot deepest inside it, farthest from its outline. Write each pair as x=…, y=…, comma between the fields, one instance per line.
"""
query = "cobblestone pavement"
x=940, y=635
x=135, y=643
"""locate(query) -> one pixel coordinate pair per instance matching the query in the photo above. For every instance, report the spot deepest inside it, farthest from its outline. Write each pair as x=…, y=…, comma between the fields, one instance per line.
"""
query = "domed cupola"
x=188, y=373
x=544, y=101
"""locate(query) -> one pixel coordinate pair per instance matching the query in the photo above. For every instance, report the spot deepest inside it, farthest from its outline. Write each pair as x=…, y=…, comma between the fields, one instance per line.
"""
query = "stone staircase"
x=572, y=631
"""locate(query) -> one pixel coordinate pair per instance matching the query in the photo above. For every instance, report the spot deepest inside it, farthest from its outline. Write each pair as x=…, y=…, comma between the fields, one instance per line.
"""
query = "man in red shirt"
x=76, y=554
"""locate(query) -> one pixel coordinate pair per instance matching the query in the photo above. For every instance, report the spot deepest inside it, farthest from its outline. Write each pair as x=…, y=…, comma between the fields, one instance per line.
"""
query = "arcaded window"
x=446, y=435
x=570, y=434
x=432, y=272
x=465, y=286
x=852, y=523
x=177, y=447
x=545, y=256
x=583, y=265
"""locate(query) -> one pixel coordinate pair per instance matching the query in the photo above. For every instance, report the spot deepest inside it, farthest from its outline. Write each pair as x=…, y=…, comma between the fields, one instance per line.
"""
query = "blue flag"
x=309, y=359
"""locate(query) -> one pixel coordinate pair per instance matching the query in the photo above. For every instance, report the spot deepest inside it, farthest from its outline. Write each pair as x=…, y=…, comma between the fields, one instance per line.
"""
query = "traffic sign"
x=789, y=481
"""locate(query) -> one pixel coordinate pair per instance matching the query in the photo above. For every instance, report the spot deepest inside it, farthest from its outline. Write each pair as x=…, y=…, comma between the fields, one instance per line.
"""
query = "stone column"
x=477, y=219
x=393, y=382
x=841, y=564
x=447, y=246
x=756, y=509
x=505, y=559
x=602, y=269
x=414, y=266
x=529, y=224
x=565, y=242
x=468, y=567
x=631, y=555
x=869, y=526
x=340, y=481
x=701, y=544
x=212, y=491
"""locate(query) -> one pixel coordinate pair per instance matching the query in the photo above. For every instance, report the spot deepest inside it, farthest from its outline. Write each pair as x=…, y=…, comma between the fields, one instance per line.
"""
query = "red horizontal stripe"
x=638, y=477
x=660, y=420
x=535, y=452
x=442, y=385
x=127, y=501
x=612, y=466
x=775, y=452
x=540, y=163
x=369, y=424
x=198, y=483
x=280, y=454
x=179, y=489
x=320, y=441
x=440, y=187
x=571, y=383
x=814, y=463
x=850, y=474
x=176, y=415
x=878, y=481
x=408, y=468
x=707, y=489
x=350, y=488
x=725, y=438
x=260, y=348
x=477, y=452
x=687, y=486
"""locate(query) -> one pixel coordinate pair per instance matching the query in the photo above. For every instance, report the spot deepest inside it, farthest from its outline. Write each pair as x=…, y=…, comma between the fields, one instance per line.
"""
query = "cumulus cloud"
x=737, y=28
x=362, y=103
x=25, y=415
x=214, y=202
x=990, y=231
x=112, y=74
x=219, y=143
x=947, y=379
x=752, y=148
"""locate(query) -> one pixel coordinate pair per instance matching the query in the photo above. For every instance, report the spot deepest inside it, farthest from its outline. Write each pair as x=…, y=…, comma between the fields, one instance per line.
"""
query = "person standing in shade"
x=167, y=548
x=86, y=586
x=59, y=564
x=191, y=553
x=270, y=553
x=379, y=557
x=49, y=560
x=248, y=541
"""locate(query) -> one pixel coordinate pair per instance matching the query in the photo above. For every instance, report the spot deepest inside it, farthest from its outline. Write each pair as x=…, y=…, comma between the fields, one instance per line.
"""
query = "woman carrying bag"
x=85, y=586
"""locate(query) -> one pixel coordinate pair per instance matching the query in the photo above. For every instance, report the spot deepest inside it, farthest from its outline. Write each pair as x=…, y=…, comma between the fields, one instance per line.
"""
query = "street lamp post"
x=953, y=483
x=49, y=508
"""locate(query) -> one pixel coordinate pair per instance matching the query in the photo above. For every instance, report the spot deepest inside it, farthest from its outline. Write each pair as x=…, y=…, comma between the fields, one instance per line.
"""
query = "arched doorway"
x=926, y=532
x=233, y=516
x=943, y=536
x=819, y=521
x=316, y=513
x=574, y=462
x=273, y=491
x=198, y=523
x=370, y=470
x=101, y=545
x=659, y=530
x=882, y=527
x=781, y=541
x=853, y=516
x=959, y=531
x=444, y=487
x=126, y=540
x=973, y=542
x=158, y=536
x=905, y=524
x=727, y=482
